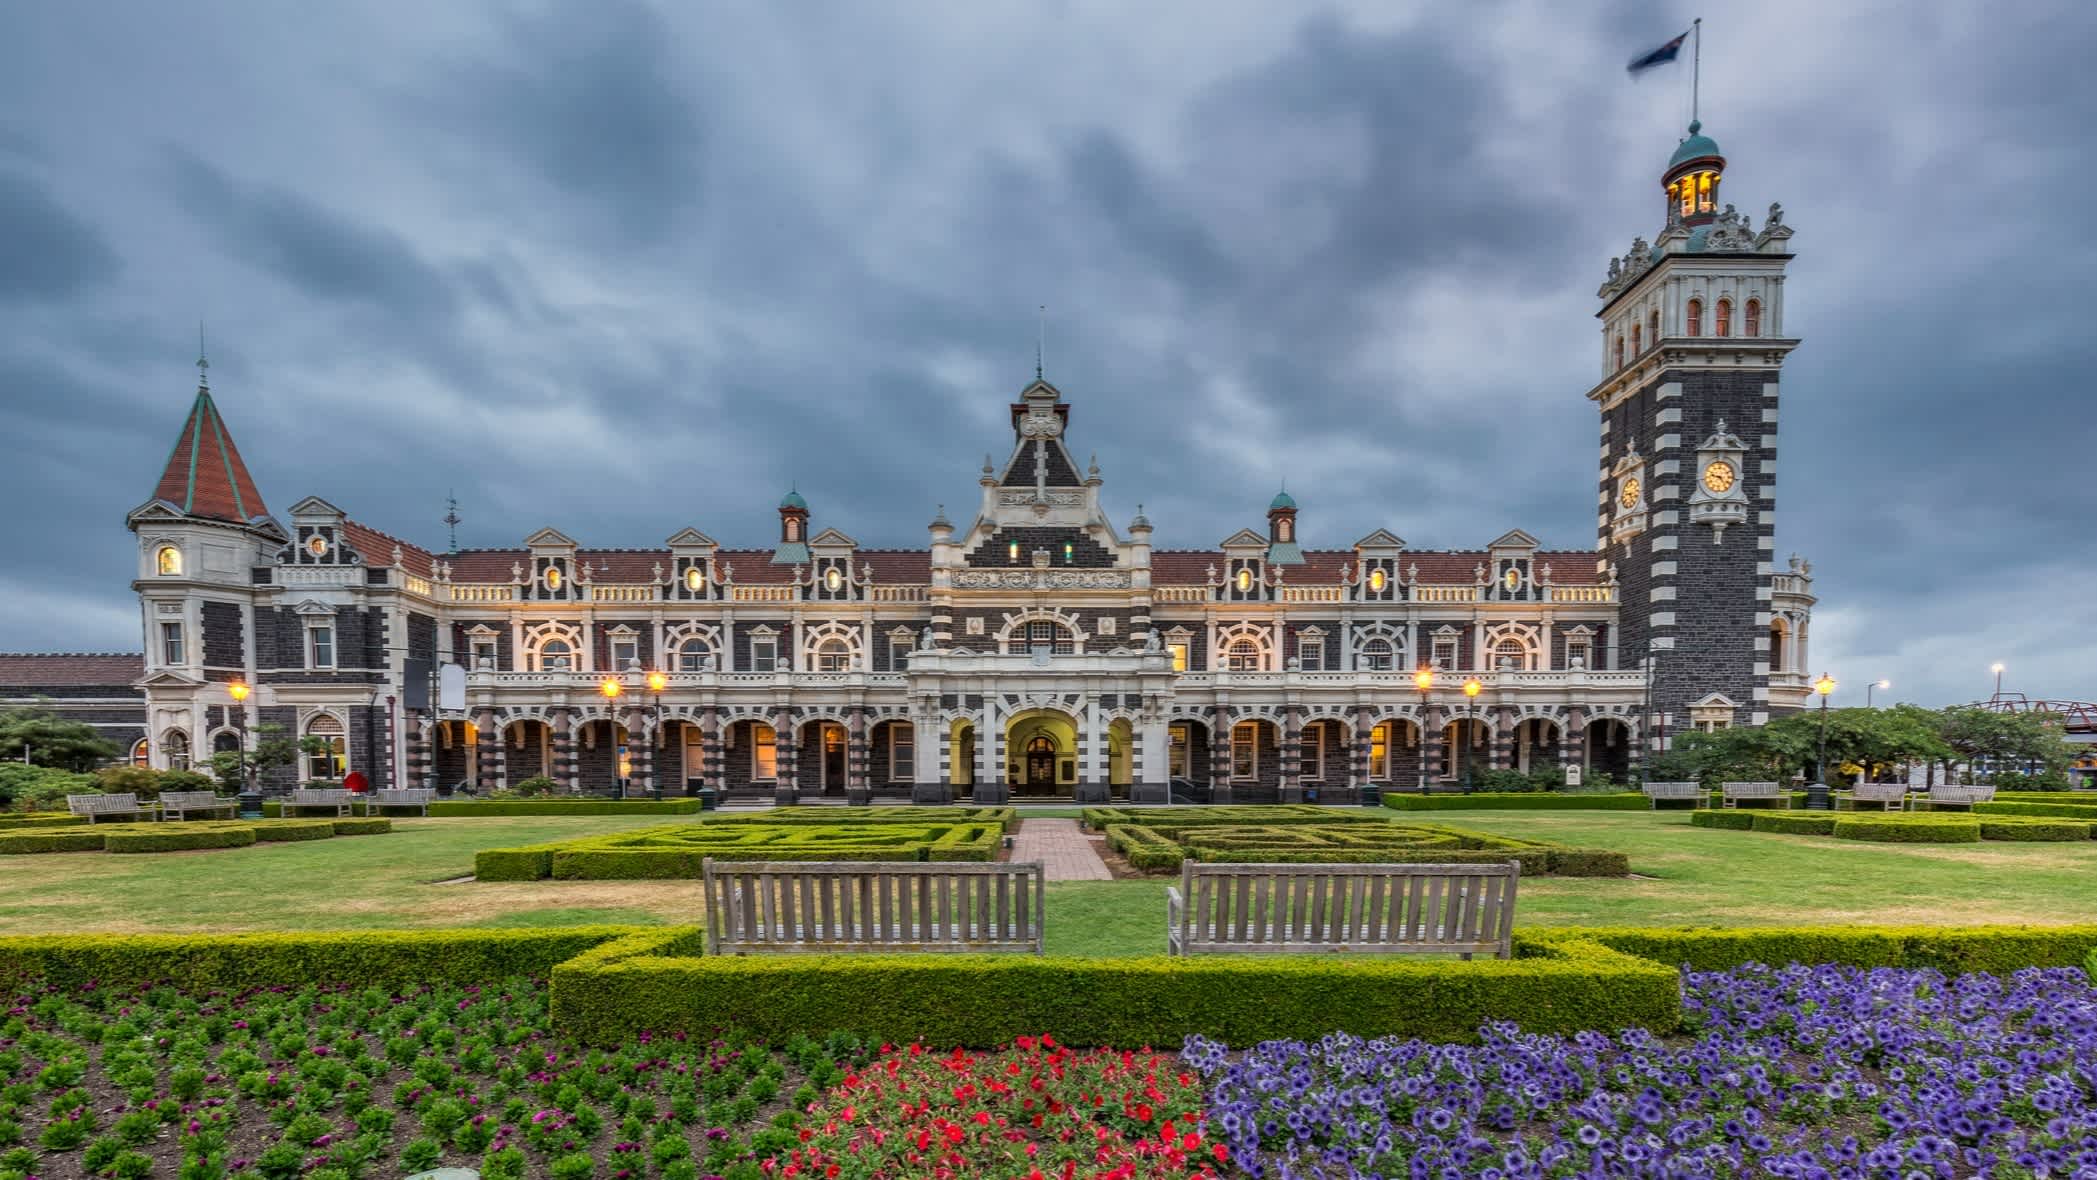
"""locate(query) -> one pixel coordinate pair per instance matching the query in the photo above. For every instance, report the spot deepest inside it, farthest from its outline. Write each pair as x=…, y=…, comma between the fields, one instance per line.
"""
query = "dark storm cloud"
x=624, y=268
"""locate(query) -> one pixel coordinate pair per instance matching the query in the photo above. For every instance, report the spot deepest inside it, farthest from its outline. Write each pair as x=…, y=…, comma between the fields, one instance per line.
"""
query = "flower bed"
x=679, y=850
x=1824, y=1071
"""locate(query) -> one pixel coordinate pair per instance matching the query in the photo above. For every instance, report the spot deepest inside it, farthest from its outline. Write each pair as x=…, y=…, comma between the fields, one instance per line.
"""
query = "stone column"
x=1220, y=754
x=857, y=740
x=1152, y=761
x=786, y=747
x=991, y=788
x=1502, y=738
x=713, y=765
x=640, y=740
x=1364, y=735
x=933, y=745
x=488, y=760
x=566, y=771
x=1291, y=784
x=1434, y=741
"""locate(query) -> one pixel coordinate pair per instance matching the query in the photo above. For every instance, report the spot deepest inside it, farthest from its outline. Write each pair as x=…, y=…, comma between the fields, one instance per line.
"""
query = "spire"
x=205, y=475
x=451, y=517
x=203, y=365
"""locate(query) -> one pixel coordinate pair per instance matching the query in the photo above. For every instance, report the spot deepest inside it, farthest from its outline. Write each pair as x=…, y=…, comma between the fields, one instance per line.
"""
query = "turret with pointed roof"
x=205, y=476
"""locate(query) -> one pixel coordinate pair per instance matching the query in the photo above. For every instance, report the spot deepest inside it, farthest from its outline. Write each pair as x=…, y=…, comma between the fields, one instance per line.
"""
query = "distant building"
x=1036, y=647
x=98, y=688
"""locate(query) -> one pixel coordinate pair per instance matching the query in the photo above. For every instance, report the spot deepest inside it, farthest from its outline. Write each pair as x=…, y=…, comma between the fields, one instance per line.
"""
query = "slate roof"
x=60, y=670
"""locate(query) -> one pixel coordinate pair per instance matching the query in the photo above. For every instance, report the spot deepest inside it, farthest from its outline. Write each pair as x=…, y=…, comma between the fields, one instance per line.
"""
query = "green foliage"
x=283, y=830
x=1146, y=849
x=28, y=788
x=1794, y=823
x=1268, y=815
x=1006, y=818
x=2019, y=828
x=1711, y=817
x=362, y=826
x=141, y=781
x=538, y=784
x=184, y=780
x=2031, y=807
x=42, y=738
x=1952, y=949
x=40, y=819
x=678, y=851
x=2036, y=740
x=36, y=840
x=610, y=996
x=475, y=808
x=1572, y=801
x=2044, y=780
x=176, y=837
x=1155, y=848
x=1909, y=828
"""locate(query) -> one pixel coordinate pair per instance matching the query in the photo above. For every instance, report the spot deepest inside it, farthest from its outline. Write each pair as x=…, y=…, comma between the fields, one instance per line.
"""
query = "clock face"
x=553, y=578
x=694, y=579
x=317, y=545
x=1629, y=498
x=1718, y=478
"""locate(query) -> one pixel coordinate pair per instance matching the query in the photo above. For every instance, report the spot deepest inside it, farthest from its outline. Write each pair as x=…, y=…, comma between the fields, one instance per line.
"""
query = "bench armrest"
x=1175, y=905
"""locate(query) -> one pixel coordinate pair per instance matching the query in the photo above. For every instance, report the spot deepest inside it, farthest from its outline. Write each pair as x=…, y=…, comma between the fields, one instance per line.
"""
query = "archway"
x=1609, y=747
x=603, y=762
x=892, y=756
x=1536, y=742
x=751, y=757
x=1041, y=748
x=1255, y=761
x=1187, y=751
x=680, y=757
x=453, y=758
x=1394, y=754
x=528, y=750
x=1121, y=747
x=1465, y=749
x=961, y=754
x=824, y=759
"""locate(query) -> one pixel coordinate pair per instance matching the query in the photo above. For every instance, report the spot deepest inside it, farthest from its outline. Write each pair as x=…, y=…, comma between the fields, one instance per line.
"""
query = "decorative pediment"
x=154, y=510
x=1245, y=539
x=313, y=508
x=1515, y=539
x=1311, y=633
x=482, y=631
x=167, y=679
x=832, y=539
x=691, y=539
x=550, y=538
x=759, y=630
x=622, y=631
x=312, y=607
x=1381, y=539
x=1448, y=629
x=1716, y=700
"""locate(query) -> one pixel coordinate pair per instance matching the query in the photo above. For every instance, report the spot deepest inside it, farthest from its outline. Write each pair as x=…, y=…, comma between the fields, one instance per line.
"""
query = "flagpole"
x=1696, y=66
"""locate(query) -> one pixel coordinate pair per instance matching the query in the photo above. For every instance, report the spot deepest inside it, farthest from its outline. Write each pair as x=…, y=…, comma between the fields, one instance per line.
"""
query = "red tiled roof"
x=204, y=475
x=70, y=669
x=487, y=565
x=377, y=549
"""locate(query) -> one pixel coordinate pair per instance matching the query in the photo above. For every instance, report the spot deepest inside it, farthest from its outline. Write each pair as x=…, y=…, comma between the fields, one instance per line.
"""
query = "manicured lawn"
x=1685, y=876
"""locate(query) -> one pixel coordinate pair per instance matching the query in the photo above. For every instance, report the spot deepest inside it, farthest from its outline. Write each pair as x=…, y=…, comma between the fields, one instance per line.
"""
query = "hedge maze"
x=679, y=851
x=1897, y=827
x=182, y=837
x=1161, y=839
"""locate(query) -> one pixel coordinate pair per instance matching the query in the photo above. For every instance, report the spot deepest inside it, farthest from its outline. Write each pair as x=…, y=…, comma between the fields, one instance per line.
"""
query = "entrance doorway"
x=1041, y=766
x=833, y=739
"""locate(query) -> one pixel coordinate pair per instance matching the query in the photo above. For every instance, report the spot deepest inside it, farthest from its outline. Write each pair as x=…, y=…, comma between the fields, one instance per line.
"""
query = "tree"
x=42, y=738
x=272, y=749
x=2006, y=741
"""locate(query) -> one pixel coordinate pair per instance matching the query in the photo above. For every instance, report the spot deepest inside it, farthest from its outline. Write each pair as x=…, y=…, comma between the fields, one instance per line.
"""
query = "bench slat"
x=1456, y=909
x=823, y=907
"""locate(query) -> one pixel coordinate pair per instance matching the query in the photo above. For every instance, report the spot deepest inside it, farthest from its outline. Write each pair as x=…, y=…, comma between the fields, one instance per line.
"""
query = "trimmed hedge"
x=277, y=831
x=2019, y=807
x=614, y=994
x=1909, y=829
x=2028, y=829
x=1952, y=949
x=1711, y=817
x=457, y=808
x=362, y=826
x=176, y=837
x=532, y=862
x=679, y=851
x=387, y=958
x=1811, y=823
x=1006, y=818
x=1166, y=819
x=40, y=819
x=1377, y=842
x=1511, y=801
x=88, y=839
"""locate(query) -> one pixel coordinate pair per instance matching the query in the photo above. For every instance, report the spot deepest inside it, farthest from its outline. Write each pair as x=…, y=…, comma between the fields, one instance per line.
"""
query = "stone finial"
x=1212, y=573
x=516, y=572
x=728, y=571
x=658, y=571
x=1547, y=573
x=1412, y=573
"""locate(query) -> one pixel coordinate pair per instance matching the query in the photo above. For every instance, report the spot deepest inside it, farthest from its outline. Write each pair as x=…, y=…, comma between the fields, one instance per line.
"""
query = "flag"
x=1661, y=56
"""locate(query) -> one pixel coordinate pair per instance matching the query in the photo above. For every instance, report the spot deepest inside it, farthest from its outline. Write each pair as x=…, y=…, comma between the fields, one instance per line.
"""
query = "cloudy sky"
x=620, y=269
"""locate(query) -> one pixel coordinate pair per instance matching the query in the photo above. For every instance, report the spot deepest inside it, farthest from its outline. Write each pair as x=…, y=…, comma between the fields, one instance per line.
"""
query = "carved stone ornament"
x=1040, y=423
x=1040, y=579
x=1022, y=497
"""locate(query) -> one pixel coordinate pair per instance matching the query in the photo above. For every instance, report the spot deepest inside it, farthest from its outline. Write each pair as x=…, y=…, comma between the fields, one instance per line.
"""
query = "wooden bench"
x=1733, y=794
x=415, y=797
x=1690, y=793
x=96, y=807
x=302, y=797
x=1961, y=795
x=829, y=907
x=177, y=804
x=1348, y=908
x=1889, y=796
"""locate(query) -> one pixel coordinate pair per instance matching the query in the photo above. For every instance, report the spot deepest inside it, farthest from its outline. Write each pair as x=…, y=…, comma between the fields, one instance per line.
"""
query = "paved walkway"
x=1064, y=852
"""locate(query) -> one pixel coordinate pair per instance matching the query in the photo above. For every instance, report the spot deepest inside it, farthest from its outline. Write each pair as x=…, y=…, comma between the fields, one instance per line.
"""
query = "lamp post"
x=1997, y=669
x=1817, y=790
x=1874, y=684
x=656, y=683
x=239, y=690
x=1471, y=690
x=612, y=690
x=1424, y=681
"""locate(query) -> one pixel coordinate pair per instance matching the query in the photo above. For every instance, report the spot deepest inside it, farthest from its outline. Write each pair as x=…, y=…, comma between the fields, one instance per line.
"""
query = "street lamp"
x=1997, y=669
x=239, y=690
x=612, y=690
x=656, y=683
x=1872, y=685
x=1424, y=681
x=1817, y=791
x=1471, y=690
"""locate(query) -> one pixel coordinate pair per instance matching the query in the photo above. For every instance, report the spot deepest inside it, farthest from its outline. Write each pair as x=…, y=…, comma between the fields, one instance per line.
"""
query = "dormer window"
x=833, y=579
x=1378, y=579
x=317, y=545
x=168, y=561
x=695, y=579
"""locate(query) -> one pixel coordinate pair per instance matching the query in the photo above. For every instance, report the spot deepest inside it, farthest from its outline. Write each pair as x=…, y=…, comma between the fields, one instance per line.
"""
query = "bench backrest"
x=1881, y=792
x=1750, y=790
x=1963, y=792
x=827, y=906
x=1460, y=909
x=405, y=795
x=178, y=800
x=96, y=804
x=1674, y=790
x=319, y=795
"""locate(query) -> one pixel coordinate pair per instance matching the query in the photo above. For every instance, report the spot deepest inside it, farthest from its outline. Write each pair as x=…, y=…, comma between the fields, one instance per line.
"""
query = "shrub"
x=183, y=780
x=135, y=780
x=75, y=839
x=1574, y=801
x=1711, y=817
x=1264, y=815
x=1589, y=862
x=1909, y=829
x=40, y=819
x=28, y=788
x=679, y=850
x=1145, y=849
x=362, y=826
x=1952, y=949
x=474, y=808
x=177, y=837
x=2019, y=828
x=530, y=863
x=2022, y=807
x=1512, y=782
x=2045, y=780
x=1793, y=823
x=280, y=830
x=538, y=784
x=1006, y=818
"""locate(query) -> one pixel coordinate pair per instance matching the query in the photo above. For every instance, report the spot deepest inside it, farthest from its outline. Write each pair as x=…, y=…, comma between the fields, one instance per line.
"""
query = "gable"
x=832, y=539
x=1515, y=539
x=1380, y=539
x=549, y=538
x=1244, y=539
x=691, y=539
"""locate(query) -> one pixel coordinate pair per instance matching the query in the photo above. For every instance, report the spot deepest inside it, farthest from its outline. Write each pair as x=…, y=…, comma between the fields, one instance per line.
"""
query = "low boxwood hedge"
x=1145, y=849
x=680, y=850
x=280, y=830
x=1809, y=823
x=1523, y=801
x=512, y=808
x=177, y=837
x=613, y=995
x=1006, y=818
x=2019, y=807
x=1898, y=828
x=533, y=862
x=84, y=839
x=1712, y=817
x=1167, y=819
x=2032, y=829
x=362, y=826
x=40, y=819
x=1952, y=949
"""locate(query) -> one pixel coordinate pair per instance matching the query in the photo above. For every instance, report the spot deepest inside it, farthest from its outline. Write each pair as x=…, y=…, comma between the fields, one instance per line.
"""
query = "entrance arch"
x=961, y=754
x=1041, y=747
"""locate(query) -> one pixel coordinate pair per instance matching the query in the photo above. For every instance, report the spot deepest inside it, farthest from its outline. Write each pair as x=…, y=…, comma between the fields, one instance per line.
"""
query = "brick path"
x=1064, y=852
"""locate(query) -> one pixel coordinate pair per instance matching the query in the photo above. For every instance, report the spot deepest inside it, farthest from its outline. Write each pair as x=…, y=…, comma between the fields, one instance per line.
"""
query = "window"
x=1245, y=750
x=1653, y=330
x=168, y=561
x=1310, y=653
x=626, y=653
x=1576, y=654
x=694, y=752
x=693, y=655
x=320, y=646
x=171, y=644
x=556, y=656
x=902, y=754
x=1445, y=653
x=1070, y=553
x=694, y=579
x=1053, y=636
x=764, y=754
x=1377, y=655
x=1722, y=318
x=1693, y=319
x=142, y=754
x=1179, y=656
x=1244, y=579
x=1619, y=353
x=327, y=753
x=553, y=579
x=175, y=744
x=1176, y=757
x=484, y=653
x=1777, y=638
x=1012, y=551
x=764, y=654
x=898, y=653
x=833, y=579
x=1243, y=655
x=1751, y=324
x=1636, y=345
x=832, y=655
x=1511, y=653
x=1312, y=760
x=1380, y=751
x=1378, y=579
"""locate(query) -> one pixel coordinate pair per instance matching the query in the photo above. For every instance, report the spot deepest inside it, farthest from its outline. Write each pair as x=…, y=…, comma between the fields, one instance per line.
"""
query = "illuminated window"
x=1311, y=764
x=1179, y=656
x=553, y=579
x=1693, y=319
x=1779, y=634
x=1707, y=186
x=1244, y=579
x=175, y=744
x=833, y=579
x=1243, y=656
x=1012, y=551
x=1245, y=750
x=168, y=561
x=1070, y=553
x=1176, y=754
x=1686, y=192
x=695, y=579
x=556, y=656
x=141, y=753
x=1377, y=655
x=764, y=754
x=327, y=751
x=1722, y=318
x=171, y=643
x=1378, y=580
x=1752, y=324
x=692, y=655
x=832, y=655
x=1380, y=751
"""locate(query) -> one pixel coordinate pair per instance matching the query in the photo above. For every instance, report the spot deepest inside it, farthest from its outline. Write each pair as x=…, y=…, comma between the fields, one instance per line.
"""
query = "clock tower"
x=1692, y=342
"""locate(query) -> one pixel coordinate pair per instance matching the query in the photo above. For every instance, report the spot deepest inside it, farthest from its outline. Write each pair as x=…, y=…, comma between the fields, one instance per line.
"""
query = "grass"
x=1685, y=876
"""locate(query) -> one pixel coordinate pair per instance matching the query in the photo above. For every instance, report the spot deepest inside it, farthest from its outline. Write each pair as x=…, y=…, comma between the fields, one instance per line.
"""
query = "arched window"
x=1693, y=318
x=555, y=655
x=224, y=742
x=1377, y=655
x=1619, y=352
x=1511, y=653
x=1752, y=325
x=327, y=753
x=175, y=744
x=1242, y=656
x=168, y=560
x=1637, y=346
x=1722, y=319
x=833, y=655
x=693, y=654
x=1653, y=328
x=142, y=753
x=1046, y=633
x=1778, y=635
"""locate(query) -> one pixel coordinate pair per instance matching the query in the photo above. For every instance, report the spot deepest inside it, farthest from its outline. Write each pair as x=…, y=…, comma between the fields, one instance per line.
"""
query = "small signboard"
x=451, y=687
x=1572, y=775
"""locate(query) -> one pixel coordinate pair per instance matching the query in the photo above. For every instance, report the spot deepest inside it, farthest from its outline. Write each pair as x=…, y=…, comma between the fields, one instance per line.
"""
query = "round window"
x=695, y=579
x=317, y=545
x=833, y=579
x=553, y=578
